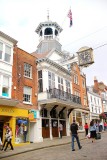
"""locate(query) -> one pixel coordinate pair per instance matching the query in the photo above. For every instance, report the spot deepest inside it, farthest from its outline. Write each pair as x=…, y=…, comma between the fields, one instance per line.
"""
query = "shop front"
x=17, y=119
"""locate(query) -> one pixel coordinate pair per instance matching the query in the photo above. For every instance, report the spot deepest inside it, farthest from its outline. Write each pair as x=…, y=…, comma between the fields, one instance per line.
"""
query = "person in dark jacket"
x=74, y=134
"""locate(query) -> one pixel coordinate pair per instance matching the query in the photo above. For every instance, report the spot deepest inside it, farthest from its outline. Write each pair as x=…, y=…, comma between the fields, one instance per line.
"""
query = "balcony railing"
x=57, y=93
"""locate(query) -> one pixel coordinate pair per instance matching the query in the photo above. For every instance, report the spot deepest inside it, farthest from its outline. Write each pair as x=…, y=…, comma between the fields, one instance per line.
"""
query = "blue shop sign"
x=34, y=113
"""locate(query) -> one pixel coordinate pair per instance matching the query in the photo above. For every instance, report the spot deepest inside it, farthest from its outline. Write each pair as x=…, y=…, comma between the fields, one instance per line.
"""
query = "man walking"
x=74, y=133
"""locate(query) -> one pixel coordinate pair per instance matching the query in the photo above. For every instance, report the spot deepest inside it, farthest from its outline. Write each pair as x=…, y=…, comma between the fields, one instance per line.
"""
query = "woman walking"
x=92, y=131
x=9, y=139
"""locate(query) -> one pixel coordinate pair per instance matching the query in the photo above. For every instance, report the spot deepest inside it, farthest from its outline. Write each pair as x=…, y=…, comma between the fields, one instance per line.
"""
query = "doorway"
x=1, y=129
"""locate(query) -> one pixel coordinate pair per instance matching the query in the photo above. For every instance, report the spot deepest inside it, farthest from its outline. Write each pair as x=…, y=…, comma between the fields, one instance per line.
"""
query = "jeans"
x=60, y=134
x=77, y=139
x=9, y=142
x=25, y=135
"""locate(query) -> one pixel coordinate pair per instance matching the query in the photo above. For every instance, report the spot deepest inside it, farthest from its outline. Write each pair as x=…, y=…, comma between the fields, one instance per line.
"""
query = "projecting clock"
x=85, y=57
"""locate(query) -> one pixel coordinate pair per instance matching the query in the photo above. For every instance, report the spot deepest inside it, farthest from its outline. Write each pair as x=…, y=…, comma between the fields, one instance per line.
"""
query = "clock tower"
x=48, y=36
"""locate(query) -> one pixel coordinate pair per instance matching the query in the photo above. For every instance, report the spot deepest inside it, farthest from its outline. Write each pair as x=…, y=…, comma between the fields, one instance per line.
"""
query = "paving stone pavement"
x=57, y=142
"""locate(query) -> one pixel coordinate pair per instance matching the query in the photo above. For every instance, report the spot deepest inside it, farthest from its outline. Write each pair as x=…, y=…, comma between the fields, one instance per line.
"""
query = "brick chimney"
x=95, y=87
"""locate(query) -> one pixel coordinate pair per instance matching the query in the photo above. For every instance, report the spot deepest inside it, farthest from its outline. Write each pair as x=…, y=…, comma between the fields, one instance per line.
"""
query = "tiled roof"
x=40, y=55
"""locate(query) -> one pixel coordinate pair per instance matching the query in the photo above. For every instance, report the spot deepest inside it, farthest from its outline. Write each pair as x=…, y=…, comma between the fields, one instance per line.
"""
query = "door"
x=1, y=130
x=45, y=128
x=55, y=128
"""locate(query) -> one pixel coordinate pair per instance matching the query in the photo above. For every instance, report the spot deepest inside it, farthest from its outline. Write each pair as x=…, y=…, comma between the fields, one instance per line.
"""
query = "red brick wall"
x=78, y=87
x=19, y=81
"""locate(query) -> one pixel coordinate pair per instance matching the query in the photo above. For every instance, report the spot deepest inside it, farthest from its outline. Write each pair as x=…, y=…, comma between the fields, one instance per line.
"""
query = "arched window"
x=56, y=32
x=41, y=33
x=48, y=31
x=53, y=113
x=44, y=112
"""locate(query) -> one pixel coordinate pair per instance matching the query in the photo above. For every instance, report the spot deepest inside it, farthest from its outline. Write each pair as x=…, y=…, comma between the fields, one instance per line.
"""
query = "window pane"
x=1, y=50
x=27, y=70
x=40, y=74
x=5, y=81
x=27, y=90
x=5, y=92
x=8, y=50
x=49, y=75
x=27, y=94
x=40, y=85
x=7, y=57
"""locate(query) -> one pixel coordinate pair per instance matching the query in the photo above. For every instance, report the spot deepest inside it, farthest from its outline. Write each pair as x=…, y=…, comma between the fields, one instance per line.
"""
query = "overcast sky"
x=20, y=18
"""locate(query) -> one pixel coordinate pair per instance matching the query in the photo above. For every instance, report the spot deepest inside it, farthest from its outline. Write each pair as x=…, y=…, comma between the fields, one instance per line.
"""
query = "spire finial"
x=48, y=14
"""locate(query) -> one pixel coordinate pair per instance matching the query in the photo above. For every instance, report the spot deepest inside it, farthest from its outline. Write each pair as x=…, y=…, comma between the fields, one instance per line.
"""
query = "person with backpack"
x=74, y=134
x=92, y=131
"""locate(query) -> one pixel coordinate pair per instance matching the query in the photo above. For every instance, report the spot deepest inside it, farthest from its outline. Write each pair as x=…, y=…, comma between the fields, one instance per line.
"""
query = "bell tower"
x=48, y=36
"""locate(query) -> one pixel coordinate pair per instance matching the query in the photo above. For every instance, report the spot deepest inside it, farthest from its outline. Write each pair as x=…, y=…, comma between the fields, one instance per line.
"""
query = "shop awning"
x=8, y=102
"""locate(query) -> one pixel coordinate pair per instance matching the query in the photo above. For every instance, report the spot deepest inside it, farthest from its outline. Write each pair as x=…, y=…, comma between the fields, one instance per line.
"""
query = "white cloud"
x=19, y=19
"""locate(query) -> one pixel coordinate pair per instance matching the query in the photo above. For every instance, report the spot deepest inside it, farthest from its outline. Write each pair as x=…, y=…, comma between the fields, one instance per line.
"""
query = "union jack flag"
x=70, y=17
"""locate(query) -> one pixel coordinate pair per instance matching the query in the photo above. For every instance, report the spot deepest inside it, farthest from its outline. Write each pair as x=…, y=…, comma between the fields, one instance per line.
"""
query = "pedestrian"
x=100, y=126
x=92, y=131
x=74, y=134
x=9, y=139
x=105, y=126
x=25, y=132
x=86, y=129
x=60, y=129
x=6, y=138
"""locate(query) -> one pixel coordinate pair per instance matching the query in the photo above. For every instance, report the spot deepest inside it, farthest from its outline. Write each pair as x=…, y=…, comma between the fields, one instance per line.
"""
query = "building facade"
x=101, y=89
x=95, y=104
x=24, y=89
x=56, y=101
x=7, y=103
x=18, y=91
x=79, y=89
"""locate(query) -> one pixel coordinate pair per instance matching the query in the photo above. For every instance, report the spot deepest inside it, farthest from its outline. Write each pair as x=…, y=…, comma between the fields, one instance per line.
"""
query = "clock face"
x=85, y=57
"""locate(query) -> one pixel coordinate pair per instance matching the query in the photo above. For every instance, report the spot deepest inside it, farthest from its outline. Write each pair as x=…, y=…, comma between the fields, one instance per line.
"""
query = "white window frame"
x=51, y=80
x=76, y=79
x=60, y=83
x=4, y=85
x=8, y=54
x=27, y=70
x=1, y=51
x=27, y=94
x=68, y=86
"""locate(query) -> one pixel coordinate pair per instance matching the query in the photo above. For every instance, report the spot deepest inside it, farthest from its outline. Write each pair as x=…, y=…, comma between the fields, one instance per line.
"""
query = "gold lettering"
x=9, y=110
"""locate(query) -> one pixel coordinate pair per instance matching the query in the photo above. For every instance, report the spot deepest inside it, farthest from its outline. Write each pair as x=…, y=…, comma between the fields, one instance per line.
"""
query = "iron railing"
x=57, y=93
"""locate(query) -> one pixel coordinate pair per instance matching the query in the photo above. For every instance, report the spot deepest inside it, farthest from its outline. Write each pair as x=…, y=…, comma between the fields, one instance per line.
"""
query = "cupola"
x=48, y=36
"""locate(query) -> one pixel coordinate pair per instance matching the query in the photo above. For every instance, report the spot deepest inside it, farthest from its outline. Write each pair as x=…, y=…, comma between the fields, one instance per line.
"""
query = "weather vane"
x=48, y=14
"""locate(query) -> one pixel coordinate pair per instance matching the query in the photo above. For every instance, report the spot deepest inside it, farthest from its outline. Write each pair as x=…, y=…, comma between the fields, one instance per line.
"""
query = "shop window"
x=45, y=122
x=54, y=123
x=79, y=120
x=22, y=131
